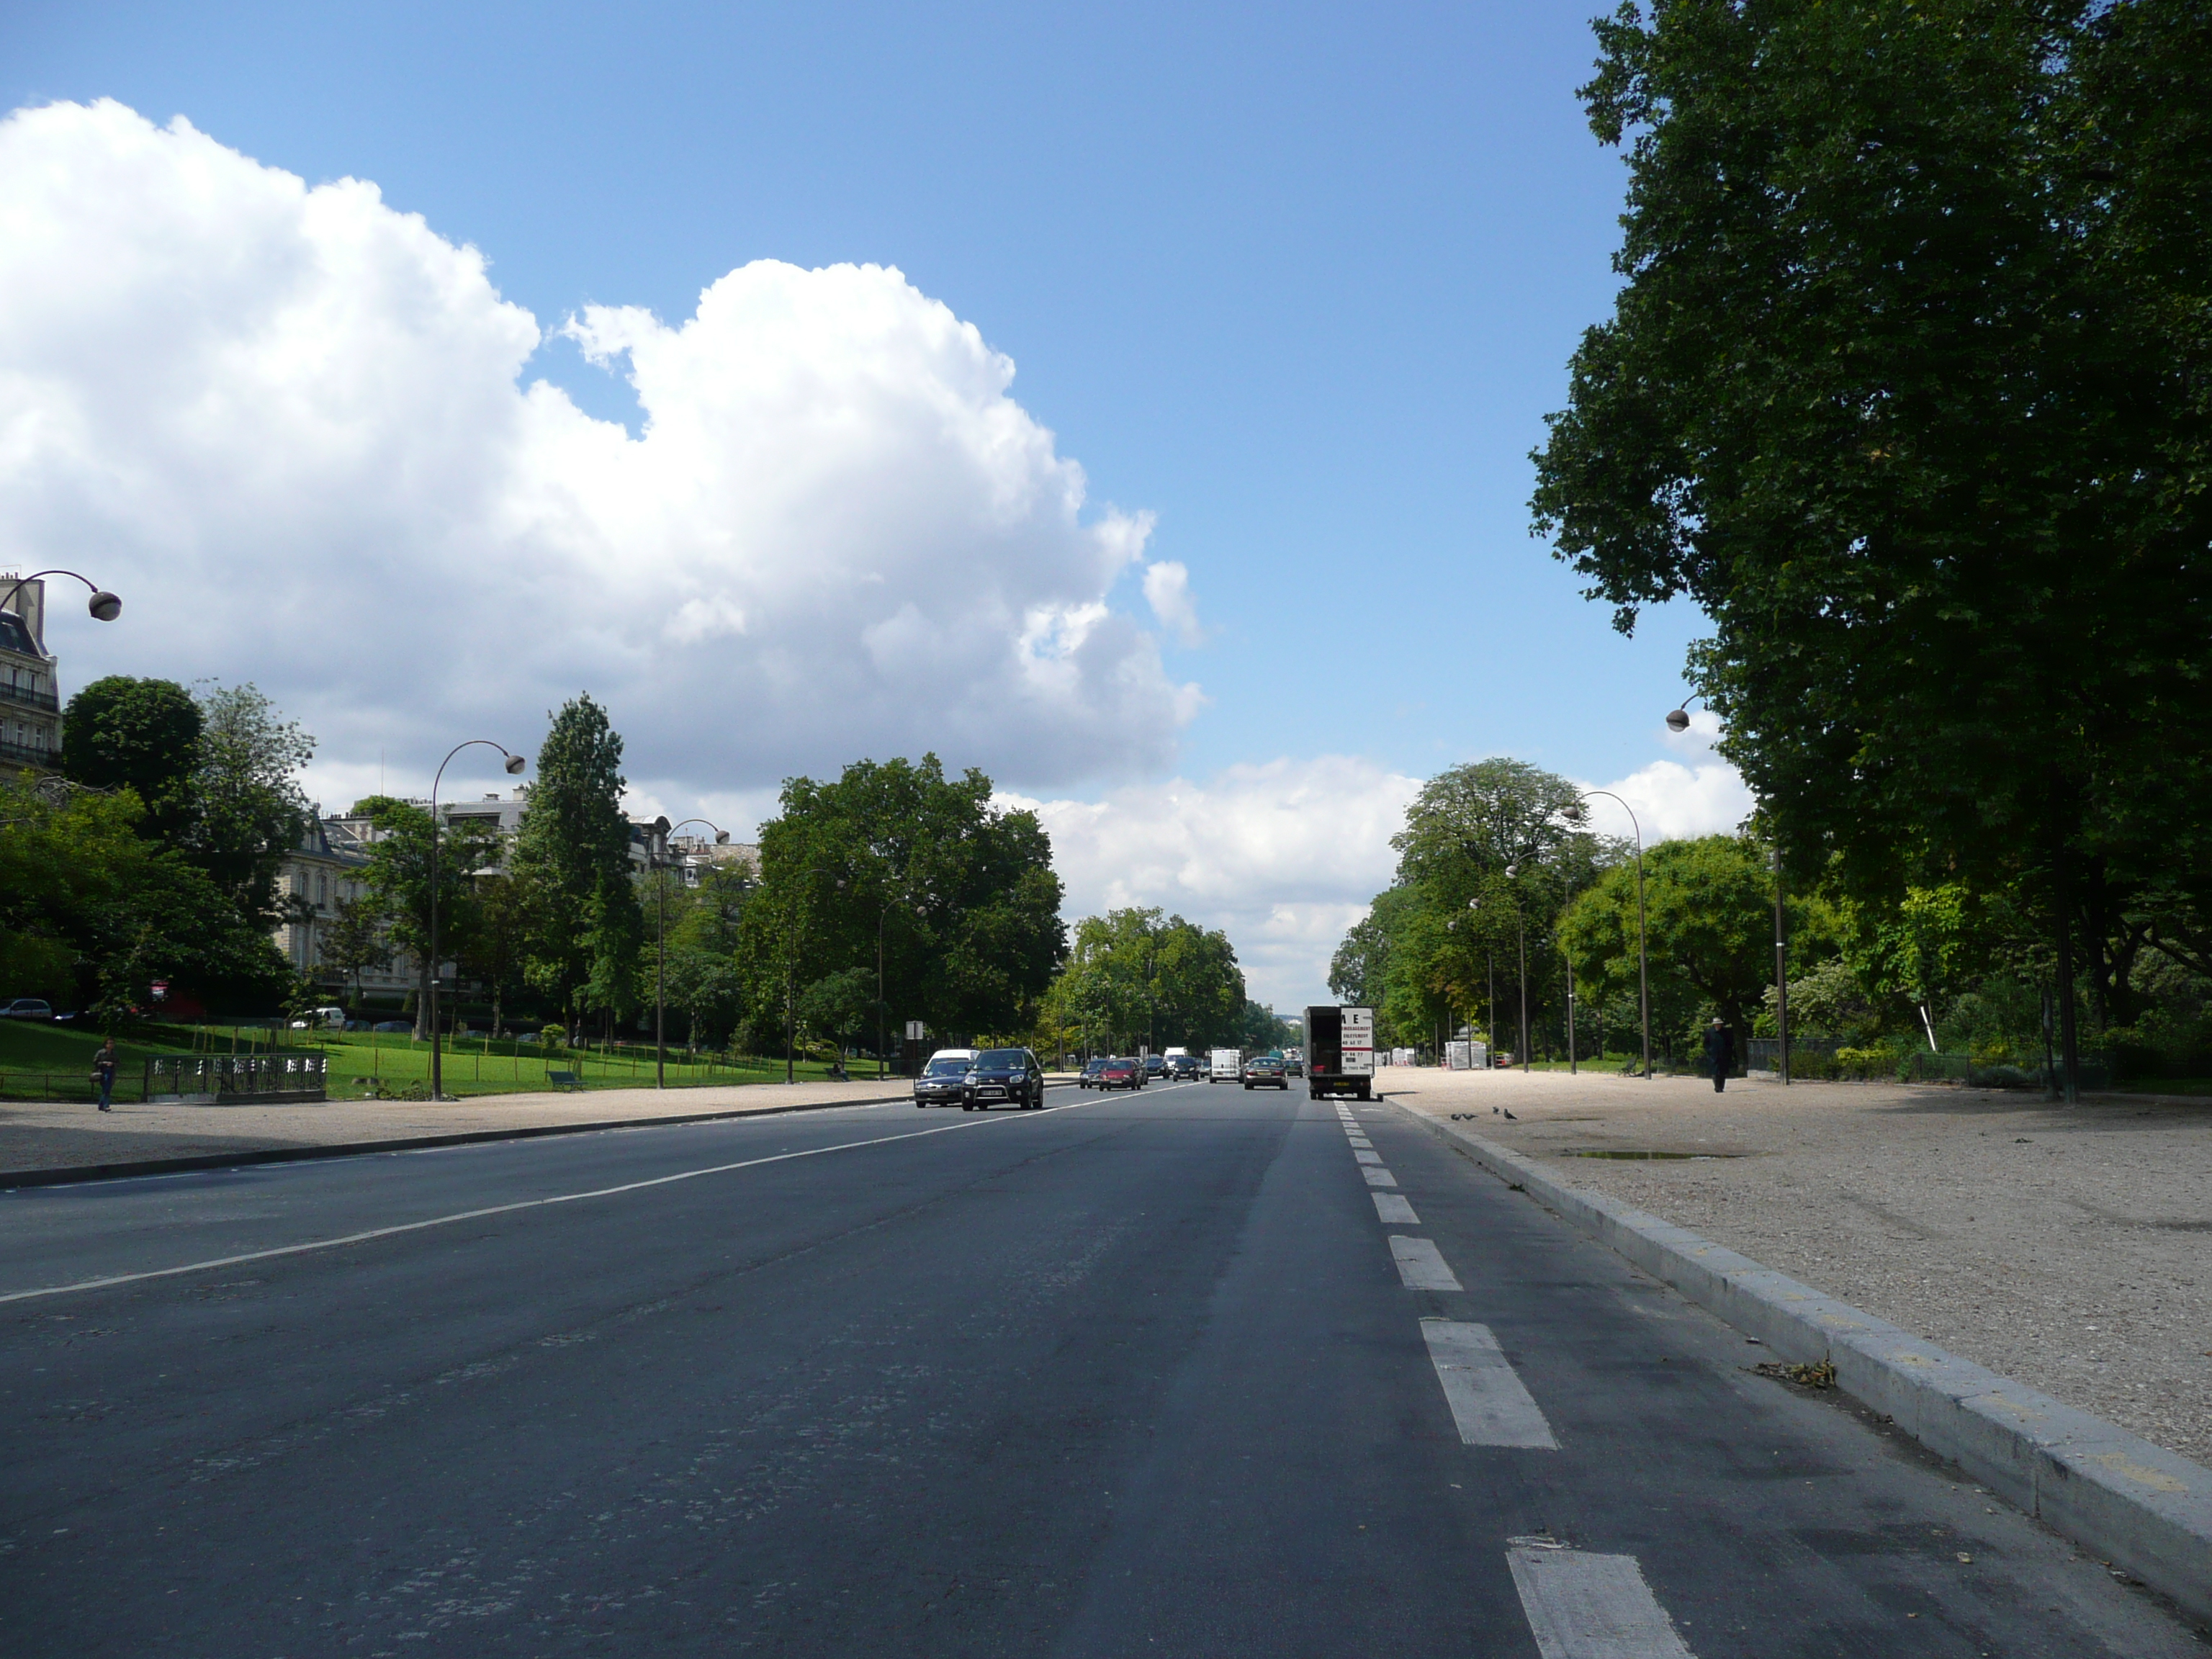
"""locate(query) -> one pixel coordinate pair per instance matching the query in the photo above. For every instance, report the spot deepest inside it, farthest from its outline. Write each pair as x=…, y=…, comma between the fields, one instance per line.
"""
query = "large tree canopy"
x=959, y=895
x=1909, y=387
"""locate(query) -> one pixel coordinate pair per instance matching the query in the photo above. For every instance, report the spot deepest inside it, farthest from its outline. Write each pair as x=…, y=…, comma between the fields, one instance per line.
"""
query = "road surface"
x=1192, y=1371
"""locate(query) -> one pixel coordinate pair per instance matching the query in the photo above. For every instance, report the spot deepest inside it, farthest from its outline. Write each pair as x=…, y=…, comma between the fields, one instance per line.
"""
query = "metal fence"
x=236, y=1079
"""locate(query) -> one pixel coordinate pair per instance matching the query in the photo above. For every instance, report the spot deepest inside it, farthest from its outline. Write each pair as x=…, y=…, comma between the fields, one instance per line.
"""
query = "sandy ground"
x=2069, y=1248
x=44, y=1137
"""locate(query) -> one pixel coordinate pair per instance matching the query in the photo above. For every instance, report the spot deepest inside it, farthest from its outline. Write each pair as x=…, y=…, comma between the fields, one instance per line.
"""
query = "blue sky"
x=1301, y=282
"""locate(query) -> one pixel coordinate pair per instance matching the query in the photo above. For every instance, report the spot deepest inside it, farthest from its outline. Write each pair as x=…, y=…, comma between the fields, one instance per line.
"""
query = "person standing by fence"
x=1720, y=1054
x=103, y=1073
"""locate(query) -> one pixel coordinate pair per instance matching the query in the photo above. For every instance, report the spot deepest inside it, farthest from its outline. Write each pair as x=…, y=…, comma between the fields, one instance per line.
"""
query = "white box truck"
x=1339, y=1052
x=1226, y=1066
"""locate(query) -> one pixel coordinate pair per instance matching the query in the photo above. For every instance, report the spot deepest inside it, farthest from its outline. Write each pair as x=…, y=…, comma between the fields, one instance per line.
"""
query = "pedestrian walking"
x=1720, y=1054
x=103, y=1073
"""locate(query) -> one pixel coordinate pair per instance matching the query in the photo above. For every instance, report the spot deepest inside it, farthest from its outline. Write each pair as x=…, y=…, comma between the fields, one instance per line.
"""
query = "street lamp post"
x=1643, y=961
x=103, y=605
x=659, y=852
x=514, y=763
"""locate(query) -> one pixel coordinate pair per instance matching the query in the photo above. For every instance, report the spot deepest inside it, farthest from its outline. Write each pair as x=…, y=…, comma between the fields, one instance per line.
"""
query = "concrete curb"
x=2128, y=1502
x=72, y=1174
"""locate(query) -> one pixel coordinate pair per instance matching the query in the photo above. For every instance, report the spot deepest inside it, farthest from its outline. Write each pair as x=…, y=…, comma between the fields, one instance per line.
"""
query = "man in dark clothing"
x=103, y=1073
x=1720, y=1054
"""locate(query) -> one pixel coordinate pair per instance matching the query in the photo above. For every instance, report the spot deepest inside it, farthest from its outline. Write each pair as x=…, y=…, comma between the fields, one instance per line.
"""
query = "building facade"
x=30, y=685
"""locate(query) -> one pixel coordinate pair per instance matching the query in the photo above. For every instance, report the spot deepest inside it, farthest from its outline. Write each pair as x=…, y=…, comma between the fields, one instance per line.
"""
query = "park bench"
x=564, y=1080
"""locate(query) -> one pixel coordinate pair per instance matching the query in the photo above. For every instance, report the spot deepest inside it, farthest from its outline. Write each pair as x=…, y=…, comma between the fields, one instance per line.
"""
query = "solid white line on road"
x=1377, y=1177
x=1488, y=1400
x=1581, y=1606
x=1393, y=1207
x=1368, y=1156
x=523, y=1204
x=1421, y=1265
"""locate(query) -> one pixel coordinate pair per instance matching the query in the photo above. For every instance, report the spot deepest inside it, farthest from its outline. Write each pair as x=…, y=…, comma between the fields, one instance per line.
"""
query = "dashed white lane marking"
x=1367, y=1155
x=523, y=1204
x=1581, y=1606
x=1488, y=1402
x=1377, y=1177
x=1392, y=1206
x=1421, y=1265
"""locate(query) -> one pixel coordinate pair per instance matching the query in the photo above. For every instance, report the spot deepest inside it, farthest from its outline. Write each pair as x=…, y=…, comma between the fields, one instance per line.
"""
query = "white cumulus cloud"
x=1286, y=856
x=296, y=428
x=1167, y=590
x=1283, y=857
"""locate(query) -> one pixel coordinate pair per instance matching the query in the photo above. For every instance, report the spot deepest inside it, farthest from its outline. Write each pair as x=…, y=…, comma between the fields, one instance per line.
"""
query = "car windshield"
x=1002, y=1057
x=946, y=1067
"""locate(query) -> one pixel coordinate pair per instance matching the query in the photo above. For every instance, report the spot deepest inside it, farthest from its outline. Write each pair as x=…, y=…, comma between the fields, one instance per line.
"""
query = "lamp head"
x=1677, y=720
x=515, y=764
x=721, y=838
x=104, y=606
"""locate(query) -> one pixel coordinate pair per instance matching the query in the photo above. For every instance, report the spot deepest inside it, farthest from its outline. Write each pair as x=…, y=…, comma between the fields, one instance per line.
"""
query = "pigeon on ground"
x=1510, y=1116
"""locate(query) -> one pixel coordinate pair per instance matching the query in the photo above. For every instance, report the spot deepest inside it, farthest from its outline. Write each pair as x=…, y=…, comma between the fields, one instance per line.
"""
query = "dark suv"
x=1005, y=1077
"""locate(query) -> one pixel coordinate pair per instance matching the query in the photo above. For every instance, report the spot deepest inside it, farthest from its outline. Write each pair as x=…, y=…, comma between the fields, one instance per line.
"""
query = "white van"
x=944, y=1080
x=1226, y=1066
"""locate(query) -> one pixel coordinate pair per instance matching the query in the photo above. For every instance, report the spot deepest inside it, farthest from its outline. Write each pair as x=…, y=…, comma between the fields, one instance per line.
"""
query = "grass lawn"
x=364, y=1063
x=40, y=1061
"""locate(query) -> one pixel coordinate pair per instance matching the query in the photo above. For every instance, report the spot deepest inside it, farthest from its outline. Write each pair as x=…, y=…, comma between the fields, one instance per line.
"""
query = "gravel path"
x=63, y=1136
x=2069, y=1248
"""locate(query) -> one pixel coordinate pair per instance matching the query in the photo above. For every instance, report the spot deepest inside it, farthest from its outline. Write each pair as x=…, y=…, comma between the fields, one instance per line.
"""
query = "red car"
x=1121, y=1074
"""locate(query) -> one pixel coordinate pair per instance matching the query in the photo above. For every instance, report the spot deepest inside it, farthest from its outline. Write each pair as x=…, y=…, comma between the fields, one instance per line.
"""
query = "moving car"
x=944, y=1080
x=1005, y=1077
x=1266, y=1071
x=1122, y=1074
x=1090, y=1073
x=1294, y=1061
x=1224, y=1066
x=1184, y=1068
x=1156, y=1067
x=27, y=1008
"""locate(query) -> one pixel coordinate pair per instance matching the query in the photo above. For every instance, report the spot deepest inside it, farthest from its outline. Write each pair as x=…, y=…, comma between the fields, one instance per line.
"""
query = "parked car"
x=1122, y=1074
x=394, y=1025
x=1266, y=1071
x=27, y=1008
x=944, y=1080
x=1009, y=1077
x=1088, y=1076
x=321, y=1019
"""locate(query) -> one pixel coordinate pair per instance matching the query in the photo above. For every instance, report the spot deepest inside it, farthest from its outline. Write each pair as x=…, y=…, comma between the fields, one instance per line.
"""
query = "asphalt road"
x=1194, y=1371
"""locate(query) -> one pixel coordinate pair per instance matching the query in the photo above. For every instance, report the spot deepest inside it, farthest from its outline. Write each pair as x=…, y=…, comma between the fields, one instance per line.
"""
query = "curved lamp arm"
x=103, y=605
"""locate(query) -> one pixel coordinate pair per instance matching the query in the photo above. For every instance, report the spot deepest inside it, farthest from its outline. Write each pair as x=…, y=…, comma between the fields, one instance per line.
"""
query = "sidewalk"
x=2069, y=1248
x=46, y=1138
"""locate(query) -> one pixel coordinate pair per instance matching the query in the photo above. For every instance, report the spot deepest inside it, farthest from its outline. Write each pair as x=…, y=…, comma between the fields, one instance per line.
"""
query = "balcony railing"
x=23, y=754
x=23, y=697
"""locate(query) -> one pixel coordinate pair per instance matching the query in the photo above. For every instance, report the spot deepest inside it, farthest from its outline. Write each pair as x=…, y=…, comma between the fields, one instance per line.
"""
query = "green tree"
x=143, y=735
x=354, y=942
x=1905, y=386
x=571, y=857
x=398, y=882
x=247, y=812
x=963, y=892
x=1136, y=977
x=841, y=1007
x=1709, y=925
